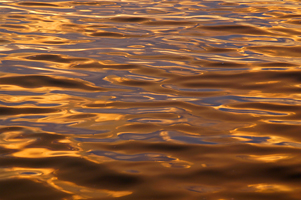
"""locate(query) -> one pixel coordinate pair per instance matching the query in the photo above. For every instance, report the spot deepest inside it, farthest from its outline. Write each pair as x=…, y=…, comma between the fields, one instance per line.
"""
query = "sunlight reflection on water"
x=150, y=99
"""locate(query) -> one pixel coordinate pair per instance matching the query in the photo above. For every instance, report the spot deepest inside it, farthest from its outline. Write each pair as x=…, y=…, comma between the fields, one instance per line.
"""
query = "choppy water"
x=150, y=100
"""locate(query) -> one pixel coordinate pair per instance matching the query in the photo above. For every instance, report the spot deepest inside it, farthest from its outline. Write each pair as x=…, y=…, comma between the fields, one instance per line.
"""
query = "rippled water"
x=150, y=100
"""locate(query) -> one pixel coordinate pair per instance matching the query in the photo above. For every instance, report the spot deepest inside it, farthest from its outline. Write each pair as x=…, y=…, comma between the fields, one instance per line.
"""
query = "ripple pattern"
x=150, y=99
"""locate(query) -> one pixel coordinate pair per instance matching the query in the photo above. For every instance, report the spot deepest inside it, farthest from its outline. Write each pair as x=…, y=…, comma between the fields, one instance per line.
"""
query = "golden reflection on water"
x=150, y=100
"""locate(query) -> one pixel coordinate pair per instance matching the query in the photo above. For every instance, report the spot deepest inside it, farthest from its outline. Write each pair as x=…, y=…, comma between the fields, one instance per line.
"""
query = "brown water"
x=150, y=100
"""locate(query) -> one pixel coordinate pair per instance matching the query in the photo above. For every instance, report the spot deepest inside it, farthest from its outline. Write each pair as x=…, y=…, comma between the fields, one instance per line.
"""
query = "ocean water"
x=150, y=100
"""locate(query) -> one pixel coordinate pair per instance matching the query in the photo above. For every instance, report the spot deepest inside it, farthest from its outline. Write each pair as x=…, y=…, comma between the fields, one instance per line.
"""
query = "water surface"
x=150, y=100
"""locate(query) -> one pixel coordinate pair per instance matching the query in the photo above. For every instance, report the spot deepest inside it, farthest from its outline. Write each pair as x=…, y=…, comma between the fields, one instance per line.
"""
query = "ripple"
x=37, y=4
x=28, y=189
x=26, y=110
x=278, y=50
x=150, y=100
x=54, y=58
x=37, y=81
x=241, y=29
x=129, y=19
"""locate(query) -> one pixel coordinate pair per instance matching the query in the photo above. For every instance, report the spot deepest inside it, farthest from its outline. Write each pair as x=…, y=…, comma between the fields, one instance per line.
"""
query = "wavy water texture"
x=165, y=100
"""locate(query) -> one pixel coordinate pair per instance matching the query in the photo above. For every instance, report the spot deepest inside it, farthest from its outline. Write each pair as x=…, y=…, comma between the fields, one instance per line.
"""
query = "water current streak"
x=150, y=99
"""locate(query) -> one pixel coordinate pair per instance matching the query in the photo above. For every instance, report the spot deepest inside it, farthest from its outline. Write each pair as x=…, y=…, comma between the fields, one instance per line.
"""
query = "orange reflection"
x=268, y=158
x=35, y=173
x=44, y=153
x=177, y=163
x=8, y=140
x=81, y=192
x=267, y=188
x=150, y=99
